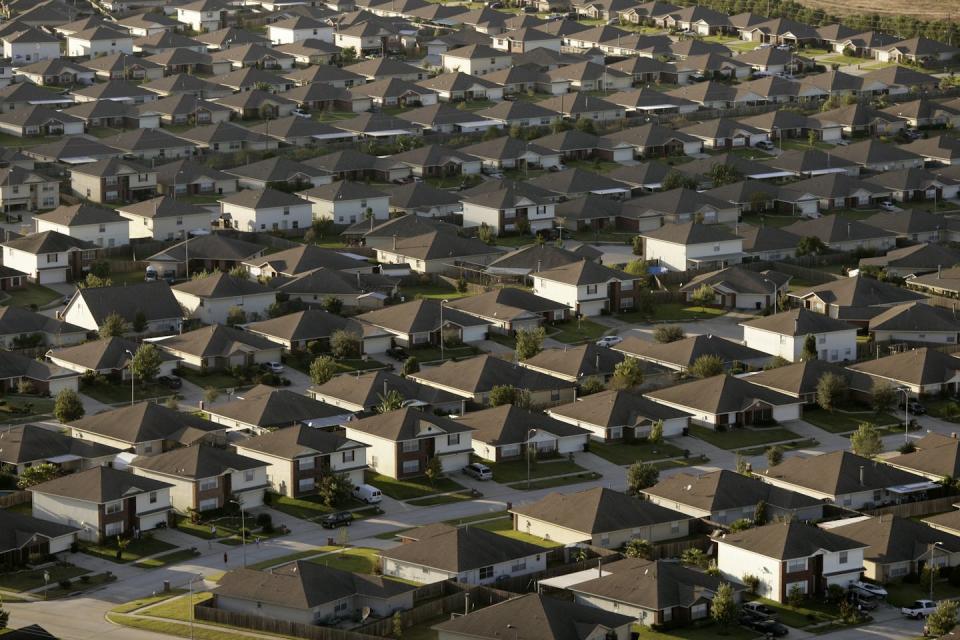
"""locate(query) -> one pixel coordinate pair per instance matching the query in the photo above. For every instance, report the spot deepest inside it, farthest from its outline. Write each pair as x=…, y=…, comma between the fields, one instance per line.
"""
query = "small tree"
x=774, y=455
x=703, y=296
x=345, y=344
x=706, y=366
x=502, y=394
x=4, y=617
x=585, y=125
x=396, y=626
x=334, y=488
x=627, y=374
x=742, y=465
x=775, y=363
x=741, y=524
x=636, y=267
x=37, y=474
x=390, y=401
x=332, y=304
x=641, y=475
x=751, y=581
x=637, y=244
x=809, y=351
x=884, y=396
x=943, y=619
x=114, y=326
x=590, y=385
x=210, y=395
x=810, y=246
x=486, y=234
x=830, y=390
x=760, y=513
x=139, y=324
x=638, y=548
x=68, y=406
x=322, y=369
x=865, y=441
x=812, y=138
x=529, y=342
x=410, y=366
x=145, y=364
x=235, y=316
x=795, y=597
x=433, y=470
x=695, y=557
x=656, y=432
x=723, y=609
x=666, y=333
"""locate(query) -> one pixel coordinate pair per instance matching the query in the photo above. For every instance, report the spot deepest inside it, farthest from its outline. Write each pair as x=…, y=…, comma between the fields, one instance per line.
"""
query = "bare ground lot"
x=923, y=9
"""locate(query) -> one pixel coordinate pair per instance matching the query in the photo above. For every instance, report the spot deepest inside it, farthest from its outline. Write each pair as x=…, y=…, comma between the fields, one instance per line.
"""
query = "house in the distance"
x=679, y=247
x=785, y=334
x=508, y=433
x=587, y=288
x=612, y=416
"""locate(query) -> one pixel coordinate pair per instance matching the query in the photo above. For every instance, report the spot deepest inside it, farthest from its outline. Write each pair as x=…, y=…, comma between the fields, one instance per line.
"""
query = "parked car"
x=338, y=519
x=869, y=587
x=759, y=610
x=170, y=382
x=766, y=145
x=478, y=471
x=303, y=113
x=862, y=601
x=397, y=353
x=609, y=341
x=840, y=142
x=529, y=9
x=887, y=205
x=367, y=493
x=272, y=367
x=766, y=626
x=919, y=609
x=915, y=408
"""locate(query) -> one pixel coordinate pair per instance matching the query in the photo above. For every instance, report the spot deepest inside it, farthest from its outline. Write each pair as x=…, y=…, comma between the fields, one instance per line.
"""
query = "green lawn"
x=672, y=312
x=432, y=354
x=355, y=559
x=595, y=166
x=31, y=579
x=679, y=463
x=574, y=331
x=504, y=527
x=15, y=142
x=32, y=294
x=312, y=507
x=139, y=603
x=166, y=559
x=171, y=628
x=803, y=145
x=806, y=443
x=843, y=422
x=480, y=517
x=290, y=557
x=901, y=594
x=516, y=470
x=330, y=116
x=13, y=406
x=410, y=489
x=91, y=582
x=202, y=529
x=136, y=550
x=557, y=482
x=447, y=498
x=810, y=612
x=709, y=632
x=177, y=608
x=948, y=410
x=842, y=59
x=440, y=291
x=119, y=393
x=623, y=453
x=742, y=438
x=217, y=379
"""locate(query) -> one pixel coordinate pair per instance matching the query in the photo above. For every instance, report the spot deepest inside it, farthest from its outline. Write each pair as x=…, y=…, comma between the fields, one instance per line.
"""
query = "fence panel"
x=15, y=498
x=916, y=509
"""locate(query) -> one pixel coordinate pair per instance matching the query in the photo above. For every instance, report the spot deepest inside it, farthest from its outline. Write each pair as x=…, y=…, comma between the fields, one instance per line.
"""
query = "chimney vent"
x=863, y=481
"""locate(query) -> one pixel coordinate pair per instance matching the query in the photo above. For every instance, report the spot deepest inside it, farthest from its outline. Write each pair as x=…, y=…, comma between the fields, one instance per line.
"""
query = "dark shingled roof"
x=107, y=353
x=99, y=485
x=616, y=409
x=798, y=322
x=153, y=299
x=217, y=340
x=797, y=379
x=406, y=424
x=505, y=304
x=365, y=390
x=48, y=242
x=838, y=472
x=417, y=316
x=691, y=233
x=456, y=549
x=725, y=489
x=789, y=540
x=299, y=441
x=684, y=352
x=29, y=443
x=222, y=285
x=859, y=292
x=482, y=373
x=17, y=530
x=508, y=424
x=890, y=539
x=577, y=362
x=919, y=367
x=720, y=394
x=196, y=461
x=268, y=408
x=146, y=421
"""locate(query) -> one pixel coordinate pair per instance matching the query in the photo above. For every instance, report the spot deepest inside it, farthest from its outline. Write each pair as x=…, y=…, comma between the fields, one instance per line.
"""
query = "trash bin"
x=330, y=542
x=166, y=586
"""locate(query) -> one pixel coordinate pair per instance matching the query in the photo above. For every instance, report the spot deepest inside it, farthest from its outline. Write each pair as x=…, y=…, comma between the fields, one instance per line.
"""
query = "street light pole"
x=442, y=302
x=932, y=568
x=774, y=294
x=132, y=394
x=530, y=434
x=190, y=587
x=906, y=413
x=243, y=532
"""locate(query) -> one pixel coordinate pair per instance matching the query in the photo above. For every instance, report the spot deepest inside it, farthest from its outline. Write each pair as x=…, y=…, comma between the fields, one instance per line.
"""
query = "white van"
x=367, y=493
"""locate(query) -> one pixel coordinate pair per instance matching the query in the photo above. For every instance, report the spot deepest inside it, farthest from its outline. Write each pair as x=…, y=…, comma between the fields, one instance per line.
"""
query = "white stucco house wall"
x=784, y=334
x=267, y=210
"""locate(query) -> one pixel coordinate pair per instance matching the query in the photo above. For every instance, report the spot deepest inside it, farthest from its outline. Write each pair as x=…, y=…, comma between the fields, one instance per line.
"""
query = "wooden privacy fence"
x=916, y=509
x=674, y=548
x=464, y=599
x=15, y=498
x=207, y=612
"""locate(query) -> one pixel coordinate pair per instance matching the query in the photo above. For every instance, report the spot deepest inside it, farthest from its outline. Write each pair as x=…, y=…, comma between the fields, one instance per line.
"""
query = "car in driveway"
x=869, y=587
x=478, y=471
x=766, y=145
x=759, y=610
x=919, y=609
x=887, y=205
x=609, y=341
x=337, y=519
x=272, y=367
x=766, y=626
x=397, y=353
x=170, y=382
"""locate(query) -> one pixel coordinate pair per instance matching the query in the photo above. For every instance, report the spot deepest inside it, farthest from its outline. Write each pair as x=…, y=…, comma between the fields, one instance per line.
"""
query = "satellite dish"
x=364, y=613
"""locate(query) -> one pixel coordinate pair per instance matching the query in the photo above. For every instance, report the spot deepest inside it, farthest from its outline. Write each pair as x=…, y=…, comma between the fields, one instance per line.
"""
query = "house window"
x=716, y=248
x=286, y=211
x=604, y=539
x=148, y=448
x=409, y=446
x=555, y=395
x=341, y=606
x=698, y=611
x=675, y=528
x=843, y=557
x=179, y=220
x=113, y=529
x=518, y=565
x=411, y=466
x=793, y=566
x=453, y=439
x=305, y=484
x=152, y=498
x=877, y=495
x=591, y=288
x=113, y=507
x=208, y=484
x=486, y=573
x=306, y=464
x=350, y=456
x=821, y=339
x=52, y=257
x=248, y=475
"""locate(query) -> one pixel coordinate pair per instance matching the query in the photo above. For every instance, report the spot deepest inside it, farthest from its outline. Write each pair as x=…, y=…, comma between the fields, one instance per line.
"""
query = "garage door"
x=48, y=276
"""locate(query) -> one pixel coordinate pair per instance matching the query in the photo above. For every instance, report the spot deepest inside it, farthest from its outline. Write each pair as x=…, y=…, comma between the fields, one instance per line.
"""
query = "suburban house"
x=264, y=408
x=679, y=355
x=48, y=257
x=311, y=594
x=299, y=456
x=790, y=555
x=151, y=303
x=19, y=327
x=364, y=392
x=27, y=190
x=510, y=309
x=510, y=433
x=587, y=288
x=468, y=555
x=897, y=546
x=724, y=401
x=846, y=298
x=27, y=445
x=739, y=288
x=612, y=416
x=23, y=537
x=218, y=347
x=113, y=180
x=269, y=209
x=297, y=331
x=403, y=442
x=165, y=218
x=846, y=480
x=575, y=364
x=679, y=247
x=108, y=357
x=914, y=259
x=213, y=298
x=421, y=322
x=924, y=371
x=302, y=258
x=798, y=380
x=437, y=251
x=724, y=497
x=346, y=202
x=103, y=503
x=42, y=377
x=536, y=616
x=146, y=428
x=204, y=478
x=844, y=234
x=785, y=334
x=508, y=206
x=936, y=456
x=98, y=225
x=600, y=517
x=474, y=379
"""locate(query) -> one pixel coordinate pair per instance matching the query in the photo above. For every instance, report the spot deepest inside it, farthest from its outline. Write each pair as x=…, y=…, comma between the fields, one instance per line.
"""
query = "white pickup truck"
x=919, y=609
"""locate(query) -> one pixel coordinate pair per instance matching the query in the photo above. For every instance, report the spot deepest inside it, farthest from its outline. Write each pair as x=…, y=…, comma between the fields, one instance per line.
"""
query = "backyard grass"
x=516, y=470
x=556, y=482
x=119, y=393
x=139, y=603
x=597, y=166
x=291, y=557
x=216, y=379
x=410, y=489
x=574, y=332
x=177, y=608
x=843, y=422
x=624, y=453
x=480, y=517
x=446, y=498
x=842, y=59
x=504, y=527
x=742, y=438
x=355, y=559
x=202, y=529
x=807, y=443
x=902, y=594
x=709, y=632
x=806, y=614
x=91, y=582
x=33, y=578
x=166, y=559
x=136, y=550
x=679, y=463
x=15, y=405
x=432, y=354
x=312, y=507
x=178, y=629
x=32, y=294
x=439, y=291
x=672, y=312
x=948, y=410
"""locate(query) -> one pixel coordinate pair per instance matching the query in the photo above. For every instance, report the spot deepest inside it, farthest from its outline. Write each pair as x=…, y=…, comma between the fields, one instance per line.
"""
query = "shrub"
x=264, y=520
x=65, y=584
